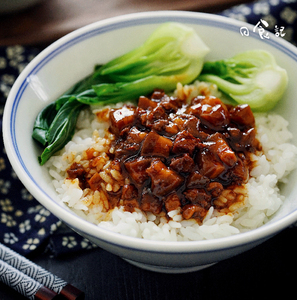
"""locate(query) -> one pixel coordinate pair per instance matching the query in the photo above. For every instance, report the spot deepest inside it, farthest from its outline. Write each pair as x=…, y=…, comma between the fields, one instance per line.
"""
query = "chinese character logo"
x=260, y=28
x=244, y=31
x=279, y=31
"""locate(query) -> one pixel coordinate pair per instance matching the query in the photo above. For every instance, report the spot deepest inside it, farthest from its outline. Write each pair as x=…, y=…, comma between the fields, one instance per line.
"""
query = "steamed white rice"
x=263, y=198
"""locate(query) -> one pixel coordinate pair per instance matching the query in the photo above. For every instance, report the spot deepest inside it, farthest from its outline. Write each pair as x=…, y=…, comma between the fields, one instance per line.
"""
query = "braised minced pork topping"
x=169, y=154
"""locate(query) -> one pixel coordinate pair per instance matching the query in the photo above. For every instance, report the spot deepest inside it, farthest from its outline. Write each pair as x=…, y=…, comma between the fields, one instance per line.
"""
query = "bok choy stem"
x=251, y=77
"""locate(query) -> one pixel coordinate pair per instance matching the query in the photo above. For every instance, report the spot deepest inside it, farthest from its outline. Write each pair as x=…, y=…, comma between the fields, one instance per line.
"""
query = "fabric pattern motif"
x=19, y=281
x=24, y=223
x=32, y=270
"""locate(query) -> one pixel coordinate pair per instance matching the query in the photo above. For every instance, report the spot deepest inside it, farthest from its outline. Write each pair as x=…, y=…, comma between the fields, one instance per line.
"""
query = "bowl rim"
x=73, y=220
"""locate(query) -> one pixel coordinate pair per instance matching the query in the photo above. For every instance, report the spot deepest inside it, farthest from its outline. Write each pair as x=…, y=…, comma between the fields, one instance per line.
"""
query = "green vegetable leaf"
x=54, y=125
x=87, y=97
x=251, y=77
x=125, y=91
x=43, y=122
x=61, y=129
x=173, y=53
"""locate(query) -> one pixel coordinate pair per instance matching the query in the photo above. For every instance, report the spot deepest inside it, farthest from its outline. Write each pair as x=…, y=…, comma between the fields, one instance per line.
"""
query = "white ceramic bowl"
x=71, y=58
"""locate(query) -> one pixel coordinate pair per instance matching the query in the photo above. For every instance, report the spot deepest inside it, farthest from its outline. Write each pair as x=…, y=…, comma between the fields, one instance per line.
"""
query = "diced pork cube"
x=172, y=202
x=156, y=145
x=164, y=180
x=209, y=165
x=183, y=163
x=198, y=196
x=137, y=169
x=219, y=146
x=129, y=192
x=146, y=103
x=121, y=118
x=185, y=142
x=150, y=203
x=211, y=111
x=196, y=180
x=95, y=182
x=242, y=115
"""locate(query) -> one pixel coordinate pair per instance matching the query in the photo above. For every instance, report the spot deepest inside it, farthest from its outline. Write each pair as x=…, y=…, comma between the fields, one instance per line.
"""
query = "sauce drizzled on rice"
x=106, y=173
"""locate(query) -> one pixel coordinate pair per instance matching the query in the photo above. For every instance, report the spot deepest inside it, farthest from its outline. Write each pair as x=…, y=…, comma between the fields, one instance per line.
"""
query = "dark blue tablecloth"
x=25, y=225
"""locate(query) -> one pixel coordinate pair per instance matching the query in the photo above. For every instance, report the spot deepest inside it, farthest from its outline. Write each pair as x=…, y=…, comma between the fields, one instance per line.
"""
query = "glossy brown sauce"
x=178, y=155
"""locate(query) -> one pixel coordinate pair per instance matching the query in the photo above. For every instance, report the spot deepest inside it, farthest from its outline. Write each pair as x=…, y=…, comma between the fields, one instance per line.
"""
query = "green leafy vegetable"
x=56, y=135
x=173, y=53
x=43, y=123
x=54, y=125
x=251, y=77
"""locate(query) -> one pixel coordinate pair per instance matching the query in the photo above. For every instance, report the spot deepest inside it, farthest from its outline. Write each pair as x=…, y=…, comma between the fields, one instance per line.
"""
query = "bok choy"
x=173, y=53
x=252, y=77
x=54, y=126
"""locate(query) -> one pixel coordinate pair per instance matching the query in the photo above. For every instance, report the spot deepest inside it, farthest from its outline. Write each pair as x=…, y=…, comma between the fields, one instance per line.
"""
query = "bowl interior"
x=73, y=57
